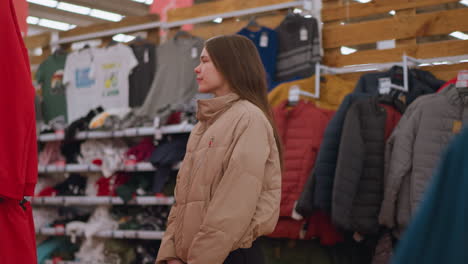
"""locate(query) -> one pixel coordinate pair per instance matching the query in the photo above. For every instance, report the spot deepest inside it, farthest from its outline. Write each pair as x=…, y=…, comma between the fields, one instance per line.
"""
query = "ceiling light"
x=347, y=50
x=32, y=20
x=308, y=16
x=464, y=2
x=74, y=8
x=464, y=61
x=123, y=38
x=106, y=15
x=297, y=11
x=148, y=2
x=440, y=63
x=218, y=20
x=424, y=64
x=392, y=12
x=459, y=35
x=54, y=24
x=48, y=3
x=363, y=1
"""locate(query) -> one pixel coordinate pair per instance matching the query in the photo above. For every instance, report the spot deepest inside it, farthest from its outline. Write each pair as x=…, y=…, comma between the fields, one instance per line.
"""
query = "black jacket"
x=420, y=82
x=359, y=178
x=318, y=190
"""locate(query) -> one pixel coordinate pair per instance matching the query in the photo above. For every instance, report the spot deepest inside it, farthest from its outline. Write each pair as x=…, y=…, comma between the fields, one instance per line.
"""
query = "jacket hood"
x=210, y=109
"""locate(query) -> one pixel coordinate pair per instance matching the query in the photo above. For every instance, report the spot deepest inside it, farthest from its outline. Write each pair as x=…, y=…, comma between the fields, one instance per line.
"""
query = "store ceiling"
x=53, y=15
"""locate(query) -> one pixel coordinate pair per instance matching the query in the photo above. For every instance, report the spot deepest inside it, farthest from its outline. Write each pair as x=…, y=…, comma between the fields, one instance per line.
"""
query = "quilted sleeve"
x=399, y=162
x=349, y=168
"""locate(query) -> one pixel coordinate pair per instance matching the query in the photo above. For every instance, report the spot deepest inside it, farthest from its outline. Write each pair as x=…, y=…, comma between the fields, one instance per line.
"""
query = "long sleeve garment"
x=318, y=189
x=358, y=184
x=301, y=130
x=438, y=232
x=18, y=155
x=414, y=149
x=299, y=47
x=228, y=187
x=175, y=79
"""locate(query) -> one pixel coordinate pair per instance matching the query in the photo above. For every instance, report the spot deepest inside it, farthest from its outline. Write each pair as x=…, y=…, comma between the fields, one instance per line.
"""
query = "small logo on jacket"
x=211, y=141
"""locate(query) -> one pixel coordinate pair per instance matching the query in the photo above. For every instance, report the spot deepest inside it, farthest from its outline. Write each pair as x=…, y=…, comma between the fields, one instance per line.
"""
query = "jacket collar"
x=453, y=95
x=210, y=109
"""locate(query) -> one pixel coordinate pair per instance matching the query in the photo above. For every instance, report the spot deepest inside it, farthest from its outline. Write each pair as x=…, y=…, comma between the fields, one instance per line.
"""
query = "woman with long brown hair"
x=229, y=185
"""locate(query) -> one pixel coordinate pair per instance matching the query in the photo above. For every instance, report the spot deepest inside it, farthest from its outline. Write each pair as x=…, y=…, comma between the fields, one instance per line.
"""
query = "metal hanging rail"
x=101, y=200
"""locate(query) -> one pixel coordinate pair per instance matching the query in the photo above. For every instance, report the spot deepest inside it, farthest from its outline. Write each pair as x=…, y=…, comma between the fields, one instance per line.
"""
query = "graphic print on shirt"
x=82, y=78
x=111, y=80
x=56, y=83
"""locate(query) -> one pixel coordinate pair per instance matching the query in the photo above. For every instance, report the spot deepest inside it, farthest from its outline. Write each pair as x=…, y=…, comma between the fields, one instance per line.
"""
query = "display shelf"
x=129, y=132
x=101, y=200
x=117, y=234
x=142, y=166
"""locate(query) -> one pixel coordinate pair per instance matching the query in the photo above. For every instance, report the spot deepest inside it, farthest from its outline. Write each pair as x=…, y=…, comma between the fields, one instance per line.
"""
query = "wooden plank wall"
x=420, y=28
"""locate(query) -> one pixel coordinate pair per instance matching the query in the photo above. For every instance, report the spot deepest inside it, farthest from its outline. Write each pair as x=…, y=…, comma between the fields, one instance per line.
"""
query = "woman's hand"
x=174, y=261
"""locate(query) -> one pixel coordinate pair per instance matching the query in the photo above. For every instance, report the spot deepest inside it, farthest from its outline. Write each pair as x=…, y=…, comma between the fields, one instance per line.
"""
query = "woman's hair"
x=237, y=59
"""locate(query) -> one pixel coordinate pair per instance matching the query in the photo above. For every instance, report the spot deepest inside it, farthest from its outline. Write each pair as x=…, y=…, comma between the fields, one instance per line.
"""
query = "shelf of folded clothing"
x=129, y=132
x=118, y=234
x=101, y=200
x=142, y=166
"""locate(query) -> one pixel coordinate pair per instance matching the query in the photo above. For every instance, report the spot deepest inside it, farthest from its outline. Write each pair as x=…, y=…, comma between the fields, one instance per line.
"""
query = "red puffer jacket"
x=301, y=130
x=18, y=154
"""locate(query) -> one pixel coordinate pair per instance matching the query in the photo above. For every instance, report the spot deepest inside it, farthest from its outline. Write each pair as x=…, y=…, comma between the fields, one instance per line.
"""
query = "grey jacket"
x=414, y=149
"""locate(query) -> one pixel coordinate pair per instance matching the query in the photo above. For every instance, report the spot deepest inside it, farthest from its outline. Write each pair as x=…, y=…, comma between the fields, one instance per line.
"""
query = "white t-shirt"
x=111, y=69
x=81, y=92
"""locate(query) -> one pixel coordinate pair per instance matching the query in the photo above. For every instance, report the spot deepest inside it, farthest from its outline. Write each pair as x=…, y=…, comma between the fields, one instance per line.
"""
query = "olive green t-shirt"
x=49, y=75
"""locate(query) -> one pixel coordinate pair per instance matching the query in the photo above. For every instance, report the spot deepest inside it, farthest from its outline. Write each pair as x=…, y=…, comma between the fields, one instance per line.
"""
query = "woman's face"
x=208, y=78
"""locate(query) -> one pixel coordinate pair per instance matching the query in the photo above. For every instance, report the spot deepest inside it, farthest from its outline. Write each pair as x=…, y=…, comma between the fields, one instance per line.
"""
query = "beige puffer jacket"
x=228, y=187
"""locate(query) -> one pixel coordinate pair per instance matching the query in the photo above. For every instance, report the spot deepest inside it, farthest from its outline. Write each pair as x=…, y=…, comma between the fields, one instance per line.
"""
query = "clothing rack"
x=119, y=234
x=129, y=132
x=313, y=6
x=406, y=61
x=101, y=200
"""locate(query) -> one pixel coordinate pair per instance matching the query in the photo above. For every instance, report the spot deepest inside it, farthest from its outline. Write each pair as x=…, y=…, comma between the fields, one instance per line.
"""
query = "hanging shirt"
x=143, y=74
x=50, y=76
x=111, y=69
x=18, y=155
x=81, y=93
x=266, y=41
x=299, y=47
x=175, y=80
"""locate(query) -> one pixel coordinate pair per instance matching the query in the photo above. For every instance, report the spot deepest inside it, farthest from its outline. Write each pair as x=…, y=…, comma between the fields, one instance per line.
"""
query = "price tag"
x=264, y=40
x=194, y=53
x=462, y=79
x=385, y=85
x=303, y=34
x=146, y=56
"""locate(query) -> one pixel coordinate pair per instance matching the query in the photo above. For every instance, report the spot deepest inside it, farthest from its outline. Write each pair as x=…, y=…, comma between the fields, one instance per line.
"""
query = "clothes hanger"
x=253, y=25
x=182, y=34
x=295, y=92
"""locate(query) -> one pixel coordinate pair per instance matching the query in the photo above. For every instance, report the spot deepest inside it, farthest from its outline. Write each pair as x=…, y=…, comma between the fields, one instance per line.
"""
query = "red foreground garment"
x=18, y=153
x=18, y=243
